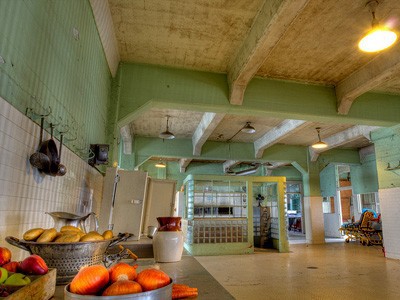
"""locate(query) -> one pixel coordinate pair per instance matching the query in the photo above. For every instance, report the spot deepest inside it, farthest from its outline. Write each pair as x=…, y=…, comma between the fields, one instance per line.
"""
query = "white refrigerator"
x=124, y=194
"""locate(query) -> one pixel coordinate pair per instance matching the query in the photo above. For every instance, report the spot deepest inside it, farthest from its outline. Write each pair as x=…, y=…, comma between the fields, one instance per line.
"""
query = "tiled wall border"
x=25, y=193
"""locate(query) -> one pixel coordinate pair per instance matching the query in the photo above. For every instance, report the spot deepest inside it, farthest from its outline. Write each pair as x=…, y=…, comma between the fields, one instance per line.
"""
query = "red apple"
x=122, y=287
x=5, y=255
x=34, y=265
x=122, y=271
x=12, y=266
x=151, y=279
x=89, y=280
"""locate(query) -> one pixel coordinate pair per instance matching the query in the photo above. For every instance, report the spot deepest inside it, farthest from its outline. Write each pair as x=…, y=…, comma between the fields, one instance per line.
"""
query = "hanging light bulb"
x=379, y=37
x=160, y=165
x=167, y=135
x=248, y=128
x=320, y=144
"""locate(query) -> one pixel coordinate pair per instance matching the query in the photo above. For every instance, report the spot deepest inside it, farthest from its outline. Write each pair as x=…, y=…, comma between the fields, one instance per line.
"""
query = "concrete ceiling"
x=309, y=41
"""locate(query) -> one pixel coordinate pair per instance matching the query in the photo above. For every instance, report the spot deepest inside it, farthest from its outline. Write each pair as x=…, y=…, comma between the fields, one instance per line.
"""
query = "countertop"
x=187, y=271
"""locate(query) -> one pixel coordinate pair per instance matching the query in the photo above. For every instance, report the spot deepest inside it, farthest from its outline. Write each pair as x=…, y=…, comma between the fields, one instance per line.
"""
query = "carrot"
x=179, y=286
x=180, y=291
x=179, y=294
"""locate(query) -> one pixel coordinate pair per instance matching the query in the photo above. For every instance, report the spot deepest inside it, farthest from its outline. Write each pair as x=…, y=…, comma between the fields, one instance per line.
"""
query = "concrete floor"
x=330, y=271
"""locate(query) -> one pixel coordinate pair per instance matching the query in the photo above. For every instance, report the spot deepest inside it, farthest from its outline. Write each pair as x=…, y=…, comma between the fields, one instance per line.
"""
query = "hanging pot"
x=49, y=148
x=40, y=160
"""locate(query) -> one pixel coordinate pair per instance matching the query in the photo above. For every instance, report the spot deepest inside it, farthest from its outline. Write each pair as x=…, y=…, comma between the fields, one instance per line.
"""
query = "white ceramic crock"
x=168, y=246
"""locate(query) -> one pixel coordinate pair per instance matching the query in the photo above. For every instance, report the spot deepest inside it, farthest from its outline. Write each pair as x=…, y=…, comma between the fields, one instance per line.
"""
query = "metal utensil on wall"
x=49, y=148
x=62, y=169
x=38, y=159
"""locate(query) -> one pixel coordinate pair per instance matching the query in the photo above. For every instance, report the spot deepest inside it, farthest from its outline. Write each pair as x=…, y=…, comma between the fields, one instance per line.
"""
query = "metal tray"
x=164, y=293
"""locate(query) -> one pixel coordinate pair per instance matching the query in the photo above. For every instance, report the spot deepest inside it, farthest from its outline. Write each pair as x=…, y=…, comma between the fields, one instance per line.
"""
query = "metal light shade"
x=167, y=135
x=160, y=165
x=248, y=128
x=377, y=40
x=379, y=37
x=320, y=144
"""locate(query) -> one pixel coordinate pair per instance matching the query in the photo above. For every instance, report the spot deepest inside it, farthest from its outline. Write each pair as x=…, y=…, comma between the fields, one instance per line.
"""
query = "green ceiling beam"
x=145, y=147
x=144, y=86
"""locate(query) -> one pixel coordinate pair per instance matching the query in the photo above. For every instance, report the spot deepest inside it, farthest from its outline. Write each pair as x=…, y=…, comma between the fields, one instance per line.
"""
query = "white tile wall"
x=390, y=208
x=25, y=193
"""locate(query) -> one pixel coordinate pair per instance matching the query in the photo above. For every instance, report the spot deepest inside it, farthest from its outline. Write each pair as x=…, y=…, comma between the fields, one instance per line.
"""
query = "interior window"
x=328, y=205
x=369, y=201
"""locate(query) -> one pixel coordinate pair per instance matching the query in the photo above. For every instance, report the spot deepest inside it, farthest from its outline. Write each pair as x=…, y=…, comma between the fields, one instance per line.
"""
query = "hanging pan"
x=38, y=159
x=49, y=148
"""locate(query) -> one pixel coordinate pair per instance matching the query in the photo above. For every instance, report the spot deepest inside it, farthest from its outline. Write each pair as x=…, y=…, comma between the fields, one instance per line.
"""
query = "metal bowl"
x=164, y=293
x=68, y=258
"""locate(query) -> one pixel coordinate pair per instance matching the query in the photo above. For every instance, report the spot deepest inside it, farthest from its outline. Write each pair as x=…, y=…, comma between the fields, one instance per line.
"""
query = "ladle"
x=62, y=169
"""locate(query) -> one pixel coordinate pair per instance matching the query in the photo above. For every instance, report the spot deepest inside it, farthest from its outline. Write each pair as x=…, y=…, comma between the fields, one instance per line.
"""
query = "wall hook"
x=36, y=114
x=389, y=168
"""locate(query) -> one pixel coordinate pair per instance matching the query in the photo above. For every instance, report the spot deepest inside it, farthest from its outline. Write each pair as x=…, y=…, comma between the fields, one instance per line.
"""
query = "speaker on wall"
x=99, y=154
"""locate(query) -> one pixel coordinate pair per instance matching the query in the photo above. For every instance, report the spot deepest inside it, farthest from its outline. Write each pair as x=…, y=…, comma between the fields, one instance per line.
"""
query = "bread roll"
x=47, y=236
x=32, y=234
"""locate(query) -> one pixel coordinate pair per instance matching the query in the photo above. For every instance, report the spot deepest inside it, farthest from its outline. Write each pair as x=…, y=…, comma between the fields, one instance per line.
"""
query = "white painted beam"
x=183, y=163
x=381, y=69
x=342, y=138
x=105, y=27
x=276, y=134
x=206, y=126
x=268, y=27
x=229, y=164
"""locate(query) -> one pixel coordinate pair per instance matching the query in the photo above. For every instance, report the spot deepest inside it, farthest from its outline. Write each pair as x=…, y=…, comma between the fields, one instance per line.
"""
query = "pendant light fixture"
x=248, y=128
x=245, y=129
x=379, y=37
x=320, y=144
x=160, y=165
x=167, y=135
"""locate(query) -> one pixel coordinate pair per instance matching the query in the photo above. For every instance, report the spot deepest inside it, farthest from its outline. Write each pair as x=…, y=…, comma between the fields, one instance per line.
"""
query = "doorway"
x=295, y=214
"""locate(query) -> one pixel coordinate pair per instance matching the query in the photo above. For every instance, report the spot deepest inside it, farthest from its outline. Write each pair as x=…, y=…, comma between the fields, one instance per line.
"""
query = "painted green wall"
x=45, y=66
x=364, y=178
x=329, y=180
x=291, y=173
x=387, y=145
x=172, y=171
x=146, y=86
x=145, y=147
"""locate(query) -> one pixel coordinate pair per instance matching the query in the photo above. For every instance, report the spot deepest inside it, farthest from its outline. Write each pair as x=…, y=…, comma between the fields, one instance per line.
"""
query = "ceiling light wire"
x=246, y=129
x=320, y=144
x=167, y=135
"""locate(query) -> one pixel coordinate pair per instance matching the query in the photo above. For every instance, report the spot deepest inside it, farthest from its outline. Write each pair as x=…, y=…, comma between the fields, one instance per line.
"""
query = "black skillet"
x=49, y=148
